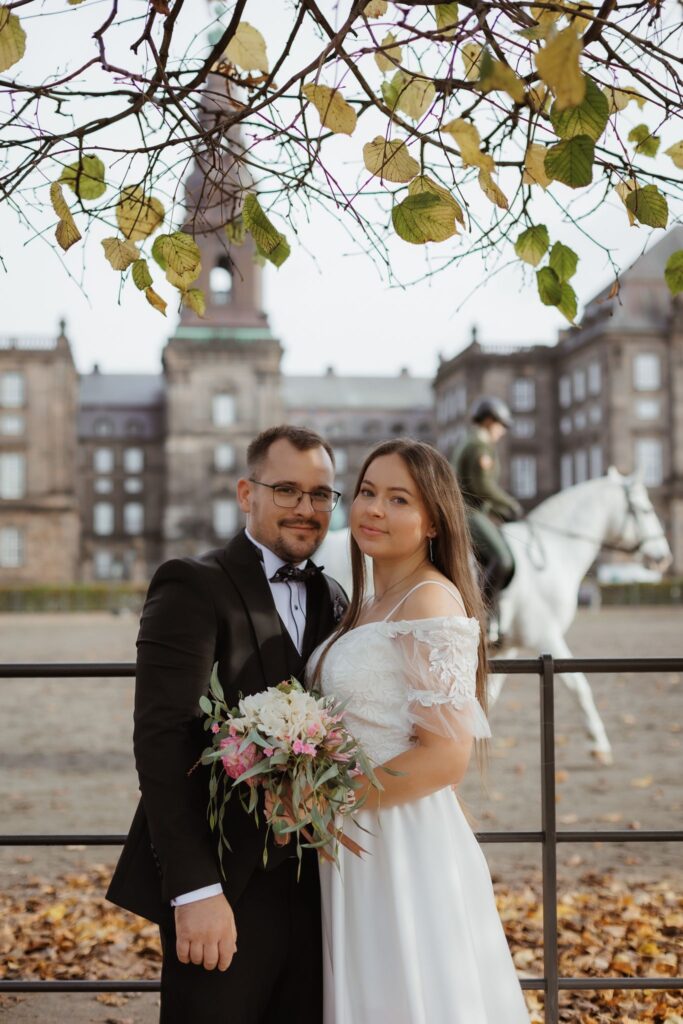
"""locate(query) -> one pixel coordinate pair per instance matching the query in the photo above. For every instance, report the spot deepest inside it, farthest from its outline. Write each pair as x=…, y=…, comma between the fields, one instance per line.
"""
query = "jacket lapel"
x=241, y=563
x=319, y=619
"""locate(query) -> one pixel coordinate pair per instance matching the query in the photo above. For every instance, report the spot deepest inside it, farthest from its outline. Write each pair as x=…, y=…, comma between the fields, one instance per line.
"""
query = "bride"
x=411, y=932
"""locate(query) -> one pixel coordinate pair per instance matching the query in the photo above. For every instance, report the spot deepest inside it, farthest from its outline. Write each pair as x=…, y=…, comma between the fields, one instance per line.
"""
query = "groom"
x=243, y=947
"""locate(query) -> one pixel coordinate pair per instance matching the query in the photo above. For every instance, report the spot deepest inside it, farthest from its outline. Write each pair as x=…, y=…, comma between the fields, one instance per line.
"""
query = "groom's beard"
x=308, y=545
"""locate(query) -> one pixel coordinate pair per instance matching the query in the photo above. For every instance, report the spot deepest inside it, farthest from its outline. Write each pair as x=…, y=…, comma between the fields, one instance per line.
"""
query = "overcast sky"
x=328, y=304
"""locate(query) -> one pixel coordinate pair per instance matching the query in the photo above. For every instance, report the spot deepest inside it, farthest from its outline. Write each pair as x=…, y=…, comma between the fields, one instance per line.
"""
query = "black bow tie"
x=289, y=573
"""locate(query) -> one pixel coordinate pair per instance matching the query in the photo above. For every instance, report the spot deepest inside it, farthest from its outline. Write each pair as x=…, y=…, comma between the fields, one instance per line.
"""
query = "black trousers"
x=276, y=974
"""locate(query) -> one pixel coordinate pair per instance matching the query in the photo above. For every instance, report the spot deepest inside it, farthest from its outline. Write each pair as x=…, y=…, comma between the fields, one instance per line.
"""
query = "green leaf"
x=563, y=261
x=424, y=217
x=12, y=39
x=549, y=286
x=86, y=177
x=157, y=251
x=142, y=278
x=270, y=243
x=206, y=705
x=648, y=206
x=571, y=161
x=673, y=272
x=532, y=244
x=446, y=19
x=568, y=304
x=195, y=300
x=179, y=252
x=391, y=91
x=235, y=231
x=494, y=75
x=589, y=118
x=646, y=142
x=215, y=684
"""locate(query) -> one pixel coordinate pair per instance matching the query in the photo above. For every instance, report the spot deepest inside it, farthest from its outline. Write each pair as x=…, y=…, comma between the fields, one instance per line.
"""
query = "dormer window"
x=220, y=283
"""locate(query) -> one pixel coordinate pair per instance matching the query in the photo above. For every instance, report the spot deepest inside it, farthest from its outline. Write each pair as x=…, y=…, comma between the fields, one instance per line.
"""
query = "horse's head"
x=638, y=530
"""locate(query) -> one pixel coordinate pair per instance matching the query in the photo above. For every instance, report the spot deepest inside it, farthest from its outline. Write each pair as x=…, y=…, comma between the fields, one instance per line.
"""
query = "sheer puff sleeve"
x=440, y=657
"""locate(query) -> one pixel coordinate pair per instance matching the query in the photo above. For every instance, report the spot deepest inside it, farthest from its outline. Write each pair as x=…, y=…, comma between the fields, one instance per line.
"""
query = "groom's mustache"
x=301, y=522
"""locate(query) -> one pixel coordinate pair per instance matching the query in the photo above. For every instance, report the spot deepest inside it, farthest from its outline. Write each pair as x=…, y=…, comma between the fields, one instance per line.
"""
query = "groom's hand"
x=206, y=933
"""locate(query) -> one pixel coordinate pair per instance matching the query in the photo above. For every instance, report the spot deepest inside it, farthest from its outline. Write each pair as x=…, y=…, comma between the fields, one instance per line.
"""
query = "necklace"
x=393, y=586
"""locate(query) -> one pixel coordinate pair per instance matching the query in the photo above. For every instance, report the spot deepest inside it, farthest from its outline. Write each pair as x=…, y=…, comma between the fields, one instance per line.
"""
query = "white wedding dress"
x=411, y=933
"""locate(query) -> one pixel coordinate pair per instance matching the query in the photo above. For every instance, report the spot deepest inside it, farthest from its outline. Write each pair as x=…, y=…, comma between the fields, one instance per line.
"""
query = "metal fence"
x=546, y=668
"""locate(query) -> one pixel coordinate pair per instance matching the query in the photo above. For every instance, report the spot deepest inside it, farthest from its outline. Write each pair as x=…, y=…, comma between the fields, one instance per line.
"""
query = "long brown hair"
x=452, y=549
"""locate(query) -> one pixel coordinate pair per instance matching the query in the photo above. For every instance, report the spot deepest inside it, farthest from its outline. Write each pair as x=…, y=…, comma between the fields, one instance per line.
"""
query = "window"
x=103, y=460
x=103, y=518
x=580, y=466
x=646, y=372
x=133, y=517
x=566, y=425
x=103, y=565
x=580, y=419
x=12, y=475
x=523, y=426
x=650, y=460
x=11, y=425
x=647, y=409
x=579, y=385
x=223, y=457
x=223, y=410
x=224, y=517
x=12, y=390
x=220, y=283
x=565, y=391
x=103, y=427
x=596, y=461
x=135, y=428
x=133, y=485
x=133, y=460
x=595, y=414
x=103, y=485
x=11, y=547
x=566, y=471
x=523, y=394
x=341, y=460
x=523, y=475
x=594, y=378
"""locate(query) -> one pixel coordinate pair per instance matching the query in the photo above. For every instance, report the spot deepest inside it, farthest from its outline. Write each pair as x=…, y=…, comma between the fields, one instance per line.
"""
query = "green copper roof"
x=225, y=333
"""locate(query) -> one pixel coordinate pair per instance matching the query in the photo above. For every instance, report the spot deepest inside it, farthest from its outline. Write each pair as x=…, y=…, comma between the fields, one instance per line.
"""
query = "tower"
x=222, y=372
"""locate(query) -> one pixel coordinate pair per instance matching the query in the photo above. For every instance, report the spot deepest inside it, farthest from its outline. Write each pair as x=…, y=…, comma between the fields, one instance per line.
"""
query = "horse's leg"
x=495, y=681
x=578, y=684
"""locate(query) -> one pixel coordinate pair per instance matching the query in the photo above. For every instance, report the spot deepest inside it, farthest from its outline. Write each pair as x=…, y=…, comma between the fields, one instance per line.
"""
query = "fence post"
x=549, y=828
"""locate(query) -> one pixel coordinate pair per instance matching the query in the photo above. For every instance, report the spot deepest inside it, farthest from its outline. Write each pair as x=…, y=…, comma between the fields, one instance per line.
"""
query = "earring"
x=431, y=550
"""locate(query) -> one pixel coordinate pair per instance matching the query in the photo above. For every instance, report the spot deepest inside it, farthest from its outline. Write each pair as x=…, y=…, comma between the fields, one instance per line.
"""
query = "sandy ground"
x=66, y=763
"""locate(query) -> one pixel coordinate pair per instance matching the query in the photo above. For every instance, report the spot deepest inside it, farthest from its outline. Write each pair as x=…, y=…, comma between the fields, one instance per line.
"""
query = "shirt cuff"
x=197, y=894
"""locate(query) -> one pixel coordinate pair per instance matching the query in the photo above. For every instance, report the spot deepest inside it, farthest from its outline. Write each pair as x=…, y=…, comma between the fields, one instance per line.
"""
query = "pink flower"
x=269, y=751
x=312, y=730
x=299, y=747
x=234, y=761
x=215, y=727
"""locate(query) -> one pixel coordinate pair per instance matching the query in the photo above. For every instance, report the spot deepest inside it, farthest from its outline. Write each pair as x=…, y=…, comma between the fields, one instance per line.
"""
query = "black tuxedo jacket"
x=217, y=607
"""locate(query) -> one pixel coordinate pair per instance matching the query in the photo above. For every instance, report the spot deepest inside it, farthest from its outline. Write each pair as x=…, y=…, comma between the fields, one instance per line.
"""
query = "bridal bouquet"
x=292, y=745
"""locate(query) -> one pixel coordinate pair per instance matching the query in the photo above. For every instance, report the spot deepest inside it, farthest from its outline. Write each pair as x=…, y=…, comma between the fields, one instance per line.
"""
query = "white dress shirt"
x=290, y=603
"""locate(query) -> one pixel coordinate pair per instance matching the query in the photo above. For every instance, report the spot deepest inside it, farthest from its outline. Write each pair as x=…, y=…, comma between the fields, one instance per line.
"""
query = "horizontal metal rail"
x=548, y=836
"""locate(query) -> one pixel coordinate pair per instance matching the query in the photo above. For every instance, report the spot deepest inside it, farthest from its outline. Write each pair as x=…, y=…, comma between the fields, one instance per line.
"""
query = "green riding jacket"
x=477, y=469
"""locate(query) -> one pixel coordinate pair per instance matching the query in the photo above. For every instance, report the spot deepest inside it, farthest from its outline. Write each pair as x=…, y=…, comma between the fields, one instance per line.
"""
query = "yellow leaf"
x=676, y=153
x=619, y=99
x=247, y=49
x=138, y=215
x=183, y=279
x=468, y=142
x=389, y=160
x=424, y=217
x=623, y=190
x=66, y=232
x=471, y=58
x=414, y=96
x=155, y=300
x=538, y=96
x=446, y=19
x=179, y=252
x=534, y=166
x=425, y=184
x=334, y=112
x=375, y=8
x=120, y=252
x=582, y=18
x=12, y=39
x=494, y=76
x=390, y=54
x=558, y=66
x=194, y=299
x=545, y=19
x=491, y=190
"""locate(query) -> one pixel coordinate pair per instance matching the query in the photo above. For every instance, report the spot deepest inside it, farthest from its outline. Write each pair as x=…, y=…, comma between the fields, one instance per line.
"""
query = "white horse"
x=554, y=547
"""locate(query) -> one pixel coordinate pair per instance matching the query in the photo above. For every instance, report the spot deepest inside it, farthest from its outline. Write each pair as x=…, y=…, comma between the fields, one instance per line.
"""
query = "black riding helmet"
x=493, y=408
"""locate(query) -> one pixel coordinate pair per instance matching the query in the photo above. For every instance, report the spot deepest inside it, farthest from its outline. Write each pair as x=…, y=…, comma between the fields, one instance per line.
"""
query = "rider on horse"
x=477, y=469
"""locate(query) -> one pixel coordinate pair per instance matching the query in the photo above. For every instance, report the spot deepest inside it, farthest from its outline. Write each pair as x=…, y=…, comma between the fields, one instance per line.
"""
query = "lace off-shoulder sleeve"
x=441, y=658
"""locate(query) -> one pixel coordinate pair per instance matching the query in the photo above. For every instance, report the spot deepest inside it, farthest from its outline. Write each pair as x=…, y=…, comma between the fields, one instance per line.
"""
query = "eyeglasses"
x=286, y=496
